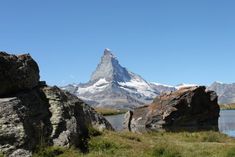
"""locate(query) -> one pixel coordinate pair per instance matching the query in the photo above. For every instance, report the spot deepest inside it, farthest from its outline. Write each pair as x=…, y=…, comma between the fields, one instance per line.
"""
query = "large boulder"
x=44, y=116
x=24, y=123
x=187, y=109
x=17, y=73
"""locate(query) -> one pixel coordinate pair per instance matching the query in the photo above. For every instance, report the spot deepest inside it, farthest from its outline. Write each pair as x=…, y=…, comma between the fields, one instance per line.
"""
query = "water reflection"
x=226, y=122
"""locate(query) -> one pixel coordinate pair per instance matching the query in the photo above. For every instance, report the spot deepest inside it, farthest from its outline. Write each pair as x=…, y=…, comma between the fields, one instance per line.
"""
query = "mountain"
x=225, y=92
x=112, y=85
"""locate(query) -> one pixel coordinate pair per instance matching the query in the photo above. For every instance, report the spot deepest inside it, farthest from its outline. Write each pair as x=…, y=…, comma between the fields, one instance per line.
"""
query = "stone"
x=24, y=121
x=33, y=114
x=21, y=153
x=17, y=73
x=127, y=120
x=96, y=120
x=188, y=109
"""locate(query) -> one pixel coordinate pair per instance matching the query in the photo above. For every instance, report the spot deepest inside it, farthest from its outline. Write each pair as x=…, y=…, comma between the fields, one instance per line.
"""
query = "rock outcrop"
x=17, y=73
x=187, y=109
x=33, y=114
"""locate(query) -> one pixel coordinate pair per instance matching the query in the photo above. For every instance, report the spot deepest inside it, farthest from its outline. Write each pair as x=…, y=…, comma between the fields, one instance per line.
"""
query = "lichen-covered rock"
x=96, y=120
x=21, y=152
x=190, y=109
x=17, y=73
x=24, y=121
x=46, y=115
x=33, y=114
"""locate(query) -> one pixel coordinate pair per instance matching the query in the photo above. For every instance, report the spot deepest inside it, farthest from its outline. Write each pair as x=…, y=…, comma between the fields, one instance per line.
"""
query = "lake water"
x=226, y=122
x=116, y=121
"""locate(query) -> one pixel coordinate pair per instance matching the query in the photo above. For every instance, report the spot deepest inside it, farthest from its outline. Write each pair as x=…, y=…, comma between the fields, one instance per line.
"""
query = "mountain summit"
x=112, y=85
x=110, y=69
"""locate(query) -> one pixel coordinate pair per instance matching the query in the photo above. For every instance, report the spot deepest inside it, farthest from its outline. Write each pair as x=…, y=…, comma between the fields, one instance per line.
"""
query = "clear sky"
x=165, y=41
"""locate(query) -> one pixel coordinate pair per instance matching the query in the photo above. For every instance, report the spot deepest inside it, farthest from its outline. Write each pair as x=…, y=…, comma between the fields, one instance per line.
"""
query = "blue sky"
x=166, y=41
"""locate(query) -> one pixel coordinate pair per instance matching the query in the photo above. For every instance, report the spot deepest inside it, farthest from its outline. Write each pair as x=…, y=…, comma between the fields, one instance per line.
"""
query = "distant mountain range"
x=112, y=85
x=226, y=92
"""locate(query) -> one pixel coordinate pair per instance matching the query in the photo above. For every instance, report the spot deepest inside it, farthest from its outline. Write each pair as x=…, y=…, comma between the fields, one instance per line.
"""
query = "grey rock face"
x=17, y=73
x=96, y=120
x=67, y=118
x=21, y=152
x=24, y=120
x=110, y=69
x=226, y=92
x=191, y=109
x=45, y=116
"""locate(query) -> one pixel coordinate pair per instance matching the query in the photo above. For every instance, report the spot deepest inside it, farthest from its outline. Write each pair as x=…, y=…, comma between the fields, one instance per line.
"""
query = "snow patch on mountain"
x=138, y=85
x=98, y=86
x=184, y=85
x=159, y=84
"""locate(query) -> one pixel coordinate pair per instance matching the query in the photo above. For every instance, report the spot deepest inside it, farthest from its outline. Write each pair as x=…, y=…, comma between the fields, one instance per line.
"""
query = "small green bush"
x=48, y=152
x=231, y=152
x=94, y=132
x=212, y=137
x=131, y=137
x=102, y=145
x=165, y=151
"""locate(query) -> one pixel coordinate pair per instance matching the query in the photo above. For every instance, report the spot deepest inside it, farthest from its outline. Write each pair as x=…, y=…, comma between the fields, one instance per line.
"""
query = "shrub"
x=212, y=137
x=94, y=132
x=165, y=151
x=132, y=137
x=231, y=153
x=48, y=152
x=102, y=145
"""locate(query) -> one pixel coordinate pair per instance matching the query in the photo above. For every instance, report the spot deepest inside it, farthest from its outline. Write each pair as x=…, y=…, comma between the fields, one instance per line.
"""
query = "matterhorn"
x=113, y=86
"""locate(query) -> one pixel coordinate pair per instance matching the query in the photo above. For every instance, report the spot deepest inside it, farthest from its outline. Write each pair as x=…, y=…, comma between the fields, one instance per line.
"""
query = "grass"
x=165, y=150
x=1, y=155
x=183, y=144
x=109, y=111
x=227, y=107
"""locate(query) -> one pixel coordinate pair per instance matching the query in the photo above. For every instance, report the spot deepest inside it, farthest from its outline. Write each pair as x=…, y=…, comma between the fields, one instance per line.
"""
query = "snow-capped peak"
x=114, y=86
x=107, y=50
x=110, y=69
